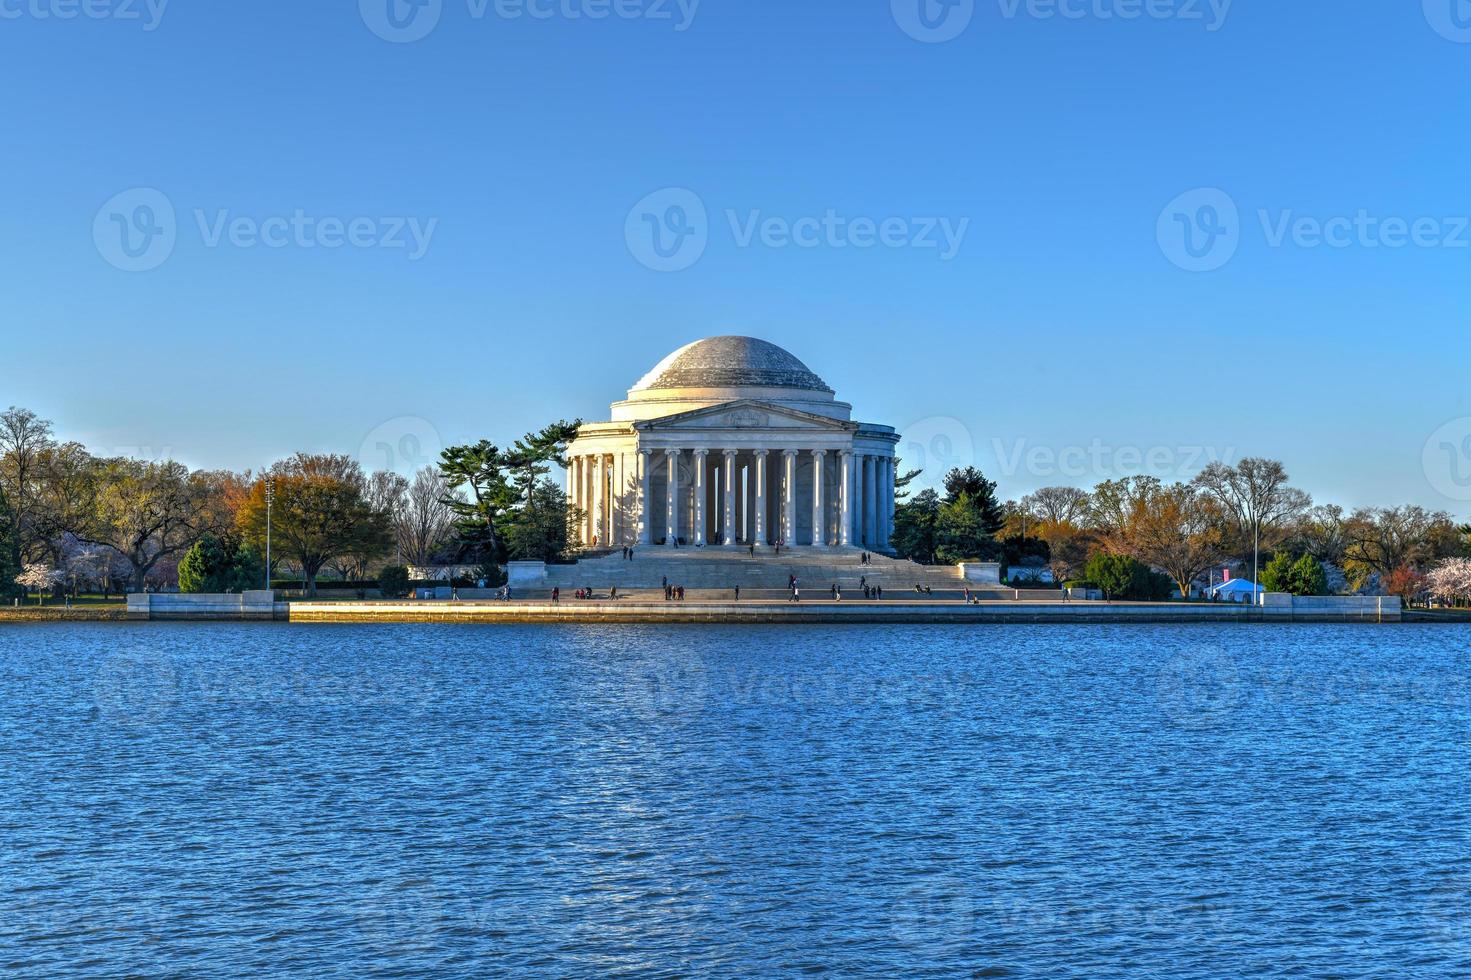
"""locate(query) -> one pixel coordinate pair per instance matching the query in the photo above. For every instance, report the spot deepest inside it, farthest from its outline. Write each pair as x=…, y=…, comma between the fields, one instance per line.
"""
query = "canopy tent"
x=1237, y=590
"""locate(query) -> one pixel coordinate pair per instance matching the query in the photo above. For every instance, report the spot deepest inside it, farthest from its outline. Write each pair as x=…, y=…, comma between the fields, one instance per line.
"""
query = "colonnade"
x=734, y=497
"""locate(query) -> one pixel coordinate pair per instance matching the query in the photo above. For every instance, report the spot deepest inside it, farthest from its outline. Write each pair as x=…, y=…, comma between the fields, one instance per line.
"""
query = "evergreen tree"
x=916, y=524
x=1308, y=577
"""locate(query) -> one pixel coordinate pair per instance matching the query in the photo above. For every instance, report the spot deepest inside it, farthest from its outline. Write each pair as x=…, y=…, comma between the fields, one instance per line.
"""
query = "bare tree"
x=1057, y=505
x=1256, y=496
x=1384, y=539
x=425, y=523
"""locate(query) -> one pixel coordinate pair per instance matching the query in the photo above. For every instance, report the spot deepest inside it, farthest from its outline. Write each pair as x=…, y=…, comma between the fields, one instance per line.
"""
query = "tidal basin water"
x=405, y=801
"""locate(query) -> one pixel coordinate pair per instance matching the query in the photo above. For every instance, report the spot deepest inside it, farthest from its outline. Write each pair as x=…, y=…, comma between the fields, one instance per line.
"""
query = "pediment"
x=746, y=414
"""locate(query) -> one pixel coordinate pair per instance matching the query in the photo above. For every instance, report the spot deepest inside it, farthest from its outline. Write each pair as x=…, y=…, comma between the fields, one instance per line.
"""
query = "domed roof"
x=731, y=362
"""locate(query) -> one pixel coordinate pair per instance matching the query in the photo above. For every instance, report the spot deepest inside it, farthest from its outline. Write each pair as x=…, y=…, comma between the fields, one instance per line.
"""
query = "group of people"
x=583, y=594
x=628, y=554
x=675, y=593
x=871, y=592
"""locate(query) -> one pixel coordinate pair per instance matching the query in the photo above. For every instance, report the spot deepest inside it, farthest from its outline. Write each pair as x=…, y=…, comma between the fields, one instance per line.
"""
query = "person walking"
x=878, y=592
x=753, y=549
x=556, y=594
x=835, y=592
x=738, y=593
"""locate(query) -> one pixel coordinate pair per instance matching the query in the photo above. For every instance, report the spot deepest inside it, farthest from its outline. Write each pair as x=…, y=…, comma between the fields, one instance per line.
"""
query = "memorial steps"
x=727, y=567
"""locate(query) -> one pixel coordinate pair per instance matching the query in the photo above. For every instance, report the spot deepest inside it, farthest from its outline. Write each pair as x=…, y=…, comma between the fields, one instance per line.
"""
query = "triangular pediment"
x=746, y=414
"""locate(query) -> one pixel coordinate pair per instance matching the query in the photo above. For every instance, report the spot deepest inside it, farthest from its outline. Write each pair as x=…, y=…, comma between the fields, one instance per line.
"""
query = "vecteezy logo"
x=401, y=21
x=136, y=230
x=403, y=445
x=668, y=230
x=1447, y=459
x=936, y=445
x=1200, y=230
x=1450, y=18
x=933, y=21
x=1199, y=689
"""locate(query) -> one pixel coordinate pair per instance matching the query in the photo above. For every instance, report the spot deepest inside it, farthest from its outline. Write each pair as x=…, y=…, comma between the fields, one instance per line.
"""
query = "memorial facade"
x=730, y=442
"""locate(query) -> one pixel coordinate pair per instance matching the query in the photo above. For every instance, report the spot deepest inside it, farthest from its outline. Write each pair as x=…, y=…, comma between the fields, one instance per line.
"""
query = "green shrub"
x=393, y=581
x=1122, y=577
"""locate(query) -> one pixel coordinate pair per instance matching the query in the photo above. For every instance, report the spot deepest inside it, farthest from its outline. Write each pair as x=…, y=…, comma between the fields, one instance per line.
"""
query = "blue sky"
x=1064, y=338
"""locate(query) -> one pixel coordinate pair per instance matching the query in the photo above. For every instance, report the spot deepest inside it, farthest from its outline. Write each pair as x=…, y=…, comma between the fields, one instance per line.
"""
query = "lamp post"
x=270, y=501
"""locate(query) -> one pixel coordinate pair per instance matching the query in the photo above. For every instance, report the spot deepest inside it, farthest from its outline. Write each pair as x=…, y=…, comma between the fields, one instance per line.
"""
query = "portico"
x=731, y=442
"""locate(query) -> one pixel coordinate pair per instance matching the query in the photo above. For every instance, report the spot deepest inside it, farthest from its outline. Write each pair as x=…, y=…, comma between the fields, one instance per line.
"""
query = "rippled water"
x=1210, y=801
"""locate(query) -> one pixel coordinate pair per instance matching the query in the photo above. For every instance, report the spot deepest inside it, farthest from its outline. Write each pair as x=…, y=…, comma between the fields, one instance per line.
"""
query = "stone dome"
x=731, y=362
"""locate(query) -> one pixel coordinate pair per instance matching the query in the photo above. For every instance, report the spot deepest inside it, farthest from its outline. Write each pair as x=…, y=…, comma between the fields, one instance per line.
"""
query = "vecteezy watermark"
x=404, y=445
x=937, y=21
x=1447, y=459
x=933, y=21
x=1100, y=460
x=1199, y=689
x=670, y=229
x=406, y=21
x=1451, y=19
x=1200, y=230
x=935, y=446
x=147, y=13
x=1211, y=13
x=137, y=231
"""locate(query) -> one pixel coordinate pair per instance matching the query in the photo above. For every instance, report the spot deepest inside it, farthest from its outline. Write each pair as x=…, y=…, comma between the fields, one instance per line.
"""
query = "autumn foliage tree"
x=321, y=512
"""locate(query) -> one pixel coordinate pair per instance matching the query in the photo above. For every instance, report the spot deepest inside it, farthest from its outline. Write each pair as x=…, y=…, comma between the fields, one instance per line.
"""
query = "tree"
x=1057, y=505
x=496, y=483
x=541, y=528
x=393, y=581
x=41, y=577
x=1406, y=582
x=220, y=564
x=1123, y=577
x=24, y=438
x=1382, y=539
x=1321, y=533
x=476, y=470
x=916, y=528
x=322, y=512
x=1177, y=529
x=980, y=494
x=965, y=531
x=1256, y=495
x=205, y=567
x=1304, y=575
x=425, y=522
x=146, y=512
x=1450, y=581
x=10, y=566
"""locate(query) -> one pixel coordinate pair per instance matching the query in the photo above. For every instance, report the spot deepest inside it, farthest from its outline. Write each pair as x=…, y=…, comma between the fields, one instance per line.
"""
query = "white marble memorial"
x=728, y=442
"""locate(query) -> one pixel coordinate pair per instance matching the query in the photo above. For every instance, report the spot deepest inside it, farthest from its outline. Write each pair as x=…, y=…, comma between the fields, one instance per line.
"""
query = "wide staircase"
x=721, y=568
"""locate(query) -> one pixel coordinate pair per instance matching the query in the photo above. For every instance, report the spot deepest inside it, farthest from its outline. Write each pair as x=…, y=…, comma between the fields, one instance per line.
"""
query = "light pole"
x=270, y=500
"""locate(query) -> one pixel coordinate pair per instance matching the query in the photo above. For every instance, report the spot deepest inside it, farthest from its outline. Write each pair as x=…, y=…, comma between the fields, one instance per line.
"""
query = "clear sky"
x=1065, y=325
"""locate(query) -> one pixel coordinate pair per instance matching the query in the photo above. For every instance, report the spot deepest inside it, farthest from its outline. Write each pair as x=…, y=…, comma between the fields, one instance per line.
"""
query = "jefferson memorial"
x=732, y=441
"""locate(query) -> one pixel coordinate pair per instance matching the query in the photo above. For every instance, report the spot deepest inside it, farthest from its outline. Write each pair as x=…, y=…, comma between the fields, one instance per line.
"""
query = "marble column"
x=760, y=488
x=671, y=523
x=600, y=500
x=789, y=496
x=870, y=503
x=886, y=501
x=845, y=499
x=730, y=514
x=646, y=496
x=584, y=484
x=701, y=456
x=819, y=499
